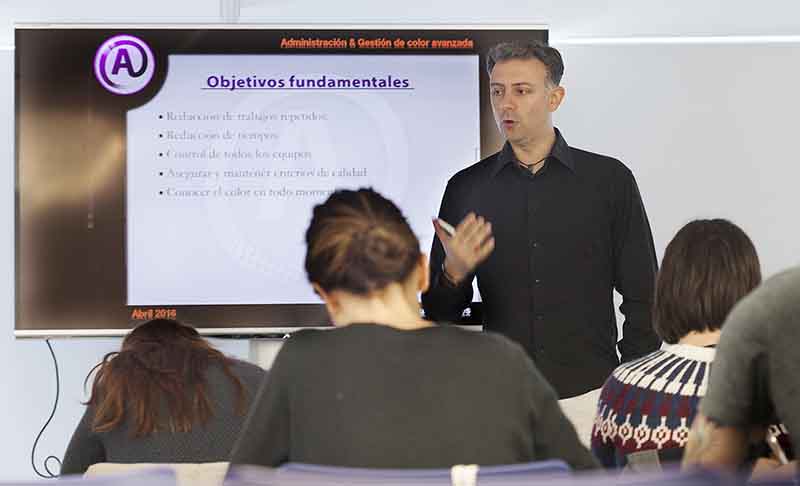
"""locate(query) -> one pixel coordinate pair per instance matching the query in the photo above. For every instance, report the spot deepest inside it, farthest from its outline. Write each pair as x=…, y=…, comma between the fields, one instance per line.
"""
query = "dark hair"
x=162, y=363
x=708, y=267
x=532, y=49
x=359, y=241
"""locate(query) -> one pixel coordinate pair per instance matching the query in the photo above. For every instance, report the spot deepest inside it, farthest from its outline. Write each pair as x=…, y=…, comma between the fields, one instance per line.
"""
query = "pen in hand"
x=775, y=446
x=447, y=227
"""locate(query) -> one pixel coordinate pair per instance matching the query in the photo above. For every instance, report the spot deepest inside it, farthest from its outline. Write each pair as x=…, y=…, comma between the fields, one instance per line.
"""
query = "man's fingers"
x=484, y=232
x=467, y=233
x=477, y=233
x=472, y=242
x=468, y=220
x=485, y=250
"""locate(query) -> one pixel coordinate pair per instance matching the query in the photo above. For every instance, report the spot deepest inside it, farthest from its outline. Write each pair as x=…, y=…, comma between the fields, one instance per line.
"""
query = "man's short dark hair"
x=707, y=268
x=532, y=49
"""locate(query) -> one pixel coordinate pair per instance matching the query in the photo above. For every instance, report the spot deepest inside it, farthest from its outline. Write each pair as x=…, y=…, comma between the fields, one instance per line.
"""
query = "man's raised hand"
x=466, y=247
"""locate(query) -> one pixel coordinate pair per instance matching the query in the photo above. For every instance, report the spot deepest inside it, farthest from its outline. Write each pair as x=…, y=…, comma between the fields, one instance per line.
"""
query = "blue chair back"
x=534, y=474
x=668, y=477
x=299, y=474
x=513, y=474
x=150, y=477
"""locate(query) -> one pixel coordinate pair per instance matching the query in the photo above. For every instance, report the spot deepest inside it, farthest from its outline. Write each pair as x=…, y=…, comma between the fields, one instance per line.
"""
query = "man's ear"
x=555, y=98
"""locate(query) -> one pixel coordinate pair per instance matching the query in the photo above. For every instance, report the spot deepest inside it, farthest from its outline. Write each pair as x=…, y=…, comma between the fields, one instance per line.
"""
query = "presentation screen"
x=171, y=172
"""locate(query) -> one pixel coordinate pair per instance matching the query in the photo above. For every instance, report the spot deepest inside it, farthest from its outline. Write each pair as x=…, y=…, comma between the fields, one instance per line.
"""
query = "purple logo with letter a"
x=124, y=64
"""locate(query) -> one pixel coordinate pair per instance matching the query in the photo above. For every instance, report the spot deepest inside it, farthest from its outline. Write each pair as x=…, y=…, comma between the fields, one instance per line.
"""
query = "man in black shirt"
x=557, y=230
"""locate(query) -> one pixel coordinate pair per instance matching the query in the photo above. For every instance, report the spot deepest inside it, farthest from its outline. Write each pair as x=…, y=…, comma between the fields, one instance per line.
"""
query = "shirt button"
x=535, y=244
x=539, y=317
x=537, y=281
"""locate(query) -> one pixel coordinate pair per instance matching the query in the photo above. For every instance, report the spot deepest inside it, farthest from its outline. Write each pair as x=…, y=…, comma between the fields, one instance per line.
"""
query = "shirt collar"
x=560, y=152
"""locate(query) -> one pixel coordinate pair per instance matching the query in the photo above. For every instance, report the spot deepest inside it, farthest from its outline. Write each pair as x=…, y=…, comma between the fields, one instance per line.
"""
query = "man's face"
x=523, y=99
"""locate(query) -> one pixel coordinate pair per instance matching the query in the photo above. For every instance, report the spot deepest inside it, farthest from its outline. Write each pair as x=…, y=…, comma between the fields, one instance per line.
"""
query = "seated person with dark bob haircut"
x=166, y=396
x=755, y=383
x=386, y=388
x=647, y=405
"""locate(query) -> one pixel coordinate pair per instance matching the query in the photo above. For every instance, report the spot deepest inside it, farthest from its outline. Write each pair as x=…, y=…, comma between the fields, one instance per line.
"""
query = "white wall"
x=620, y=107
x=27, y=381
x=709, y=131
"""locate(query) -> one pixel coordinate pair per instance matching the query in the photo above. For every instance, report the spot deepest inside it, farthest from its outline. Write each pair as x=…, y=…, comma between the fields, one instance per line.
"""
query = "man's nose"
x=507, y=102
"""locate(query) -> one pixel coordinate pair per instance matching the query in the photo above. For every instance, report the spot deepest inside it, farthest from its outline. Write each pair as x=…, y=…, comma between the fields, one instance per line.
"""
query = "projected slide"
x=225, y=164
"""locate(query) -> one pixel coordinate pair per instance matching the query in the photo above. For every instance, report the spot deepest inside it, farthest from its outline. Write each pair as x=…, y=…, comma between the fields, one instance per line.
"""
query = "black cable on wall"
x=48, y=474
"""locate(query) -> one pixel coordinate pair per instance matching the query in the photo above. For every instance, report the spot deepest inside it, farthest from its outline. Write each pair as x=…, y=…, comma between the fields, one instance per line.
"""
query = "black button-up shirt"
x=565, y=238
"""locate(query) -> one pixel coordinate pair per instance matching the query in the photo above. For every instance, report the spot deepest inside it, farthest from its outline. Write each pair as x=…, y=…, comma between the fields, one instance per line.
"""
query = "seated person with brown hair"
x=166, y=396
x=756, y=379
x=386, y=388
x=647, y=406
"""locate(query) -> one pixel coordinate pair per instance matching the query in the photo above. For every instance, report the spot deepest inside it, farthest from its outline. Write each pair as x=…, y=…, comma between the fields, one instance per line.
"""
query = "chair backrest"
x=261, y=476
x=310, y=475
x=668, y=477
x=513, y=474
x=186, y=474
x=299, y=474
x=151, y=477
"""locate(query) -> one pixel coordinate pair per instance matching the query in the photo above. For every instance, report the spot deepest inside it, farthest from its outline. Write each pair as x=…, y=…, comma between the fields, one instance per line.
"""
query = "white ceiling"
x=568, y=19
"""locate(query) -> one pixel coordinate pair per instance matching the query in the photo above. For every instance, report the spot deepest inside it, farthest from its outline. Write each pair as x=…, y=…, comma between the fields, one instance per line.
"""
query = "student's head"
x=707, y=268
x=524, y=78
x=360, y=244
x=161, y=367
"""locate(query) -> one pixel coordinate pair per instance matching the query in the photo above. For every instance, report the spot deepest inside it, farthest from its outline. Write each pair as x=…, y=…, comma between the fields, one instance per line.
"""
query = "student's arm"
x=84, y=449
x=769, y=468
x=554, y=436
x=264, y=438
x=711, y=445
x=737, y=399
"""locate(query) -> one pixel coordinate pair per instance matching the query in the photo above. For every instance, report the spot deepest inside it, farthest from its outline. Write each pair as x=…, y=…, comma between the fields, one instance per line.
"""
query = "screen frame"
x=271, y=330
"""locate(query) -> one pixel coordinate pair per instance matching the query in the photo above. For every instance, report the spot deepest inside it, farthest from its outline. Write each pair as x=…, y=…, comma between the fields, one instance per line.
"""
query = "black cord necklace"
x=532, y=167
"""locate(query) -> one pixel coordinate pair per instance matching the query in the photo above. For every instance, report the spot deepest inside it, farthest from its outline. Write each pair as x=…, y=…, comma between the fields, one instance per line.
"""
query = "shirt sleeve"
x=635, y=268
x=445, y=302
x=84, y=449
x=264, y=438
x=737, y=392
